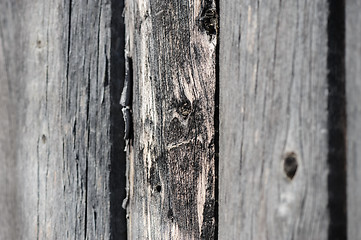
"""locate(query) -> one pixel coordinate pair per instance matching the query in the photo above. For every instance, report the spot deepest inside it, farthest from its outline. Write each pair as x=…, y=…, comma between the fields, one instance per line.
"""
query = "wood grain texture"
x=8, y=216
x=55, y=63
x=171, y=159
x=273, y=117
x=353, y=93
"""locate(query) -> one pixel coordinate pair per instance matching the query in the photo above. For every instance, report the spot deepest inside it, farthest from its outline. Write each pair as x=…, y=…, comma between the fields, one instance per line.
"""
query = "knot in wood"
x=290, y=165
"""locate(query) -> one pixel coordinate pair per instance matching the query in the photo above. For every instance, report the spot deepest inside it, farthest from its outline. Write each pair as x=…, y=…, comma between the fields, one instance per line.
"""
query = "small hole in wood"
x=158, y=188
x=170, y=214
x=290, y=165
x=43, y=138
x=38, y=43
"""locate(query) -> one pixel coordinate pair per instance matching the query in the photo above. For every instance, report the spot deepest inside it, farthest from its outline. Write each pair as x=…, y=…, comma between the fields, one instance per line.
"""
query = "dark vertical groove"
x=68, y=50
x=216, y=126
x=38, y=192
x=86, y=184
x=86, y=197
x=336, y=121
x=118, y=223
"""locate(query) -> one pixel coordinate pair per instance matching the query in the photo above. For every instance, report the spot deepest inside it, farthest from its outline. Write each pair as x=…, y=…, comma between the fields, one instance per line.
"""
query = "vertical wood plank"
x=55, y=58
x=172, y=175
x=8, y=216
x=353, y=93
x=273, y=120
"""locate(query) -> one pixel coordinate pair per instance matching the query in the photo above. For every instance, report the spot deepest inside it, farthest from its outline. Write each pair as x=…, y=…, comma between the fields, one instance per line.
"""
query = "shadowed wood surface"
x=172, y=157
x=56, y=136
x=353, y=93
x=273, y=120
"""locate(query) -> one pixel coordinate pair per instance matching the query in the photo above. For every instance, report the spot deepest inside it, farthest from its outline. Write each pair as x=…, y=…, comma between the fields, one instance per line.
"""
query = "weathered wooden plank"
x=58, y=67
x=8, y=216
x=171, y=158
x=273, y=120
x=353, y=93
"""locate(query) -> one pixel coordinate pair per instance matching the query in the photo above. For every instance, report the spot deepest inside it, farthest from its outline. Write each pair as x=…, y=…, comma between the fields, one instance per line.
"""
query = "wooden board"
x=8, y=216
x=353, y=93
x=273, y=167
x=56, y=69
x=172, y=156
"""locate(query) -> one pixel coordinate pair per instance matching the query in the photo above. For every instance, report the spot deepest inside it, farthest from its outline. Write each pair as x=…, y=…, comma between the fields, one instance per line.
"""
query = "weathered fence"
x=241, y=119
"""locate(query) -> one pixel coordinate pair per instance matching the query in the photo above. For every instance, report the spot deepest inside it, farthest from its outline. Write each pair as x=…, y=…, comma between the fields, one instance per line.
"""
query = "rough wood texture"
x=8, y=216
x=172, y=175
x=353, y=93
x=273, y=120
x=56, y=86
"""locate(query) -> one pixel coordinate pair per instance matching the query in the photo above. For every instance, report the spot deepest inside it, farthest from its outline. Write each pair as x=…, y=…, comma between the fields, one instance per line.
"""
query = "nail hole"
x=170, y=214
x=159, y=188
x=290, y=165
x=38, y=43
x=43, y=138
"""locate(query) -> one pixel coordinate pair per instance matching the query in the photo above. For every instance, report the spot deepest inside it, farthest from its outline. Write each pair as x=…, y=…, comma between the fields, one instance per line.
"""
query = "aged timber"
x=58, y=120
x=172, y=156
x=274, y=120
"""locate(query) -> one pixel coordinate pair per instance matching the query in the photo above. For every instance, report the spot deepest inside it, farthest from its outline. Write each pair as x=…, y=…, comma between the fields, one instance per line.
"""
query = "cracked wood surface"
x=273, y=117
x=172, y=156
x=55, y=118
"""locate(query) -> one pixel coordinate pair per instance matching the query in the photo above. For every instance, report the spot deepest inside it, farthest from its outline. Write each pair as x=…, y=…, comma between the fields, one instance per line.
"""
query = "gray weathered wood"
x=56, y=119
x=172, y=155
x=353, y=93
x=8, y=216
x=273, y=116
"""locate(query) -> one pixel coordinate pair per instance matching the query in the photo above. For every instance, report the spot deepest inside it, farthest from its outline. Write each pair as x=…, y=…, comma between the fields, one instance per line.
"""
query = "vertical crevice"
x=86, y=198
x=216, y=125
x=86, y=180
x=38, y=192
x=68, y=48
x=118, y=223
x=336, y=121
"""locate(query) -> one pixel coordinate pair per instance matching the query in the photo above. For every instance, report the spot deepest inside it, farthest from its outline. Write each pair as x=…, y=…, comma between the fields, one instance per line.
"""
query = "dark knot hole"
x=290, y=165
